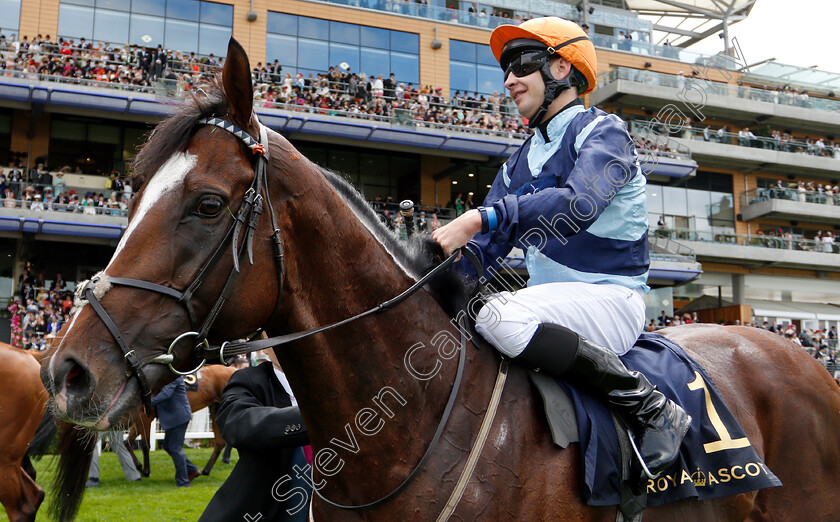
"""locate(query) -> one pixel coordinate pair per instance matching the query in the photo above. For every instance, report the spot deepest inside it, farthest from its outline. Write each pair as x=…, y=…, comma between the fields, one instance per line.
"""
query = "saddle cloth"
x=191, y=381
x=716, y=458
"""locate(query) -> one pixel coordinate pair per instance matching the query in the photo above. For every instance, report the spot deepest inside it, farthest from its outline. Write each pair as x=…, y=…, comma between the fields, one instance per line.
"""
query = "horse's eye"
x=209, y=207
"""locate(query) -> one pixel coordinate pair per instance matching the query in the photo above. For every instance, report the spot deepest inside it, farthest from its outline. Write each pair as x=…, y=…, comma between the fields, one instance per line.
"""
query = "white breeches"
x=610, y=315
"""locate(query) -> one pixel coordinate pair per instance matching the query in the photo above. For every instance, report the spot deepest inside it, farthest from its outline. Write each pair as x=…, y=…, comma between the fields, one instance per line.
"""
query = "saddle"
x=716, y=458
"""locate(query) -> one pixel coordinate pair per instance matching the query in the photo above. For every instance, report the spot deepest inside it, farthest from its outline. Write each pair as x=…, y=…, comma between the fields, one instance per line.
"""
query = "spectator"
x=435, y=224
x=260, y=418
x=422, y=225
x=174, y=414
x=117, y=445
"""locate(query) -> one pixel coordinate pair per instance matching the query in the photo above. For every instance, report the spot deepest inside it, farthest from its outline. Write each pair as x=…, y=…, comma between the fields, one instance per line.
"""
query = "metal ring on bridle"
x=222, y=352
x=172, y=346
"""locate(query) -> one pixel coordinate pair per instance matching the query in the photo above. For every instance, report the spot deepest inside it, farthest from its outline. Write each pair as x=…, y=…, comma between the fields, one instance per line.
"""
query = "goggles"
x=525, y=63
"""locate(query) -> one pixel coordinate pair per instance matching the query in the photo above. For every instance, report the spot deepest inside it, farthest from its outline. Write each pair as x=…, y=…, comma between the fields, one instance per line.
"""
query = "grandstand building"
x=741, y=160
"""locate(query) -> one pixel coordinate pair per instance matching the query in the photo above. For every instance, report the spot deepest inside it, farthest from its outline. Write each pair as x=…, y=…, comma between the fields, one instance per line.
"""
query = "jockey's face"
x=528, y=91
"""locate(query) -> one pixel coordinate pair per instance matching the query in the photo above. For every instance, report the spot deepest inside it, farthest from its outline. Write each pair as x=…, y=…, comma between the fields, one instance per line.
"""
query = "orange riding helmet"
x=563, y=36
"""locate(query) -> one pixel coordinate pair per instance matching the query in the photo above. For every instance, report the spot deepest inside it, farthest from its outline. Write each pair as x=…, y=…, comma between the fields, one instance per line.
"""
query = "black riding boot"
x=658, y=424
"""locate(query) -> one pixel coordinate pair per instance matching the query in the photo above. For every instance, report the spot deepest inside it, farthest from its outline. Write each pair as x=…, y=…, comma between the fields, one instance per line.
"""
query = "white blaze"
x=170, y=177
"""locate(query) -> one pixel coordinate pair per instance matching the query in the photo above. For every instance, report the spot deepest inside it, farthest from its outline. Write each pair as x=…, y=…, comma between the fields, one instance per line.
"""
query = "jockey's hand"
x=458, y=232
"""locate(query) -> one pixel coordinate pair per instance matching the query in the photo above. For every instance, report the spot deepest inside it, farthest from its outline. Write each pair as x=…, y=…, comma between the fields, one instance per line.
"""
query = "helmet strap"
x=553, y=88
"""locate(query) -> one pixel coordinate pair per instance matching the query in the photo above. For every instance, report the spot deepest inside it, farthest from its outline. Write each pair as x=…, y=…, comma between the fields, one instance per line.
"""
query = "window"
x=144, y=27
x=5, y=136
x=216, y=14
x=183, y=9
x=118, y=5
x=110, y=26
x=473, y=68
x=303, y=44
x=700, y=206
x=314, y=54
x=149, y=7
x=180, y=35
x=213, y=39
x=75, y=21
x=284, y=48
x=405, y=42
x=375, y=37
x=345, y=53
x=372, y=173
x=281, y=23
x=11, y=17
x=344, y=33
x=179, y=25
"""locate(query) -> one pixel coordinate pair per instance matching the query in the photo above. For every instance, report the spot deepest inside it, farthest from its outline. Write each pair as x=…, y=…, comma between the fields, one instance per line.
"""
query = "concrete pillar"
x=433, y=193
x=738, y=289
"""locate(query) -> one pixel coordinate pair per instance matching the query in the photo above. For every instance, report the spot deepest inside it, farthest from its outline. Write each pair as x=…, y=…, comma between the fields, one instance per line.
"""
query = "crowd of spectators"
x=657, y=147
x=823, y=240
x=821, y=343
x=42, y=190
x=772, y=139
x=767, y=138
x=665, y=321
x=802, y=191
x=133, y=67
x=784, y=95
x=40, y=310
x=338, y=91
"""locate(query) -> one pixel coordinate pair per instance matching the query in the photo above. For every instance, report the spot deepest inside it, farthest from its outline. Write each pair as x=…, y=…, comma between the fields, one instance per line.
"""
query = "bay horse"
x=212, y=380
x=23, y=401
x=372, y=392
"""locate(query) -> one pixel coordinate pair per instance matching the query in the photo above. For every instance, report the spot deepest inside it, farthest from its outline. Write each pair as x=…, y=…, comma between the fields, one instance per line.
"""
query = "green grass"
x=153, y=499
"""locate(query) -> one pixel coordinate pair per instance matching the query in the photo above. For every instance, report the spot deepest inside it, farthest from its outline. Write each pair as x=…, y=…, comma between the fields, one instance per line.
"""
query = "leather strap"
x=229, y=350
x=129, y=355
x=446, y=412
x=478, y=445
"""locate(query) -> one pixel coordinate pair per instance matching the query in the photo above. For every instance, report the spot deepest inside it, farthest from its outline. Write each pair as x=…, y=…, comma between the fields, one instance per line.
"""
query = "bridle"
x=248, y=217
x=250, y=212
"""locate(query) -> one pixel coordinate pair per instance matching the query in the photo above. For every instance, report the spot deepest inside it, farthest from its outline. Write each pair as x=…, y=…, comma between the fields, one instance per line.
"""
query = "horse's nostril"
x=76, y=381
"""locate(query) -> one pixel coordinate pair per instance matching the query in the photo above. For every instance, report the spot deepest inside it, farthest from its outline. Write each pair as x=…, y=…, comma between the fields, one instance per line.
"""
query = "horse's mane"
x=173, y=134
x=419, y=255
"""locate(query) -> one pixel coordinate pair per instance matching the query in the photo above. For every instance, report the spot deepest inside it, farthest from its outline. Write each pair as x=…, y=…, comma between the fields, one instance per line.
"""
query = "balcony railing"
x=651, y=128
x=73, y=208
x=752, y=240
x=768, y=94
x=757, y=195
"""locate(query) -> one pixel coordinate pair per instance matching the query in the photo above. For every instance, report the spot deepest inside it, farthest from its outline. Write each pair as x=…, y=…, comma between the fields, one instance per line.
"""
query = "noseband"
x=248, y=217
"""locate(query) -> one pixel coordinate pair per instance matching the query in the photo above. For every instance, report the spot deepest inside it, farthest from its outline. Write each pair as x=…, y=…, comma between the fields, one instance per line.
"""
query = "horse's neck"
x=358, y=394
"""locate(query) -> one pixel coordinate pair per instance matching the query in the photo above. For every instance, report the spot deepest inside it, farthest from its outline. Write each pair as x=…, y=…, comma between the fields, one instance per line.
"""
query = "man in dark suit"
x=174, y=413
x=260, y=418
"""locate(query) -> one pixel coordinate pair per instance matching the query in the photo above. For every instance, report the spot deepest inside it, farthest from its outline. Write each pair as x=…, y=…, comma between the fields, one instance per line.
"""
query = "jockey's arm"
x=606, y=163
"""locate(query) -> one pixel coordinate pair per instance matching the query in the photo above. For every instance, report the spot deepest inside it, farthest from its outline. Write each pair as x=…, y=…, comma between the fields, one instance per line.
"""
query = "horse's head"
x=194, y=179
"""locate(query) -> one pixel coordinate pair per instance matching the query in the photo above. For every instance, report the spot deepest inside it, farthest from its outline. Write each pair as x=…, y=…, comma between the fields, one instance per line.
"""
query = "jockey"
x=572, y=197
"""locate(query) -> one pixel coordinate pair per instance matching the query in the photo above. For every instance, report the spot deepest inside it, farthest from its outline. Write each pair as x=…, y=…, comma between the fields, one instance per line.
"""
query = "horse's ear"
x=236, y=79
